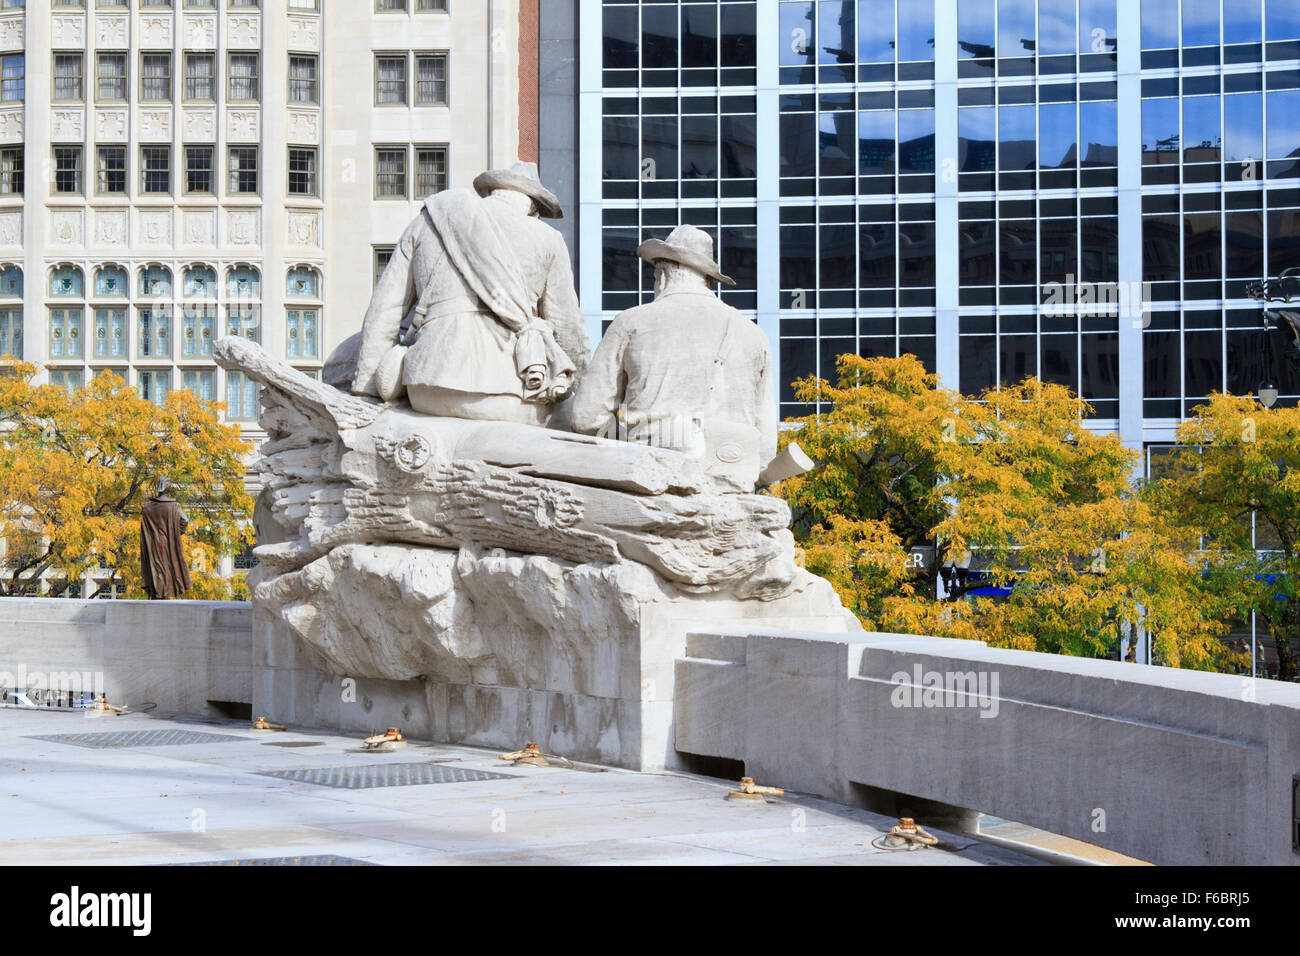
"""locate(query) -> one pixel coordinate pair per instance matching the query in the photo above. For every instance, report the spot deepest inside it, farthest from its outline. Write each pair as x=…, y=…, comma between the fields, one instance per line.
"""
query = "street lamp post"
x=1285, y=289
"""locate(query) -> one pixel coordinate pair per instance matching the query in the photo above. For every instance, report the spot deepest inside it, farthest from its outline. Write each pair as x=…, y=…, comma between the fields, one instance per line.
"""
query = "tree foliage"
x=1047, y=508
x=1235, y=459
x=75, y=469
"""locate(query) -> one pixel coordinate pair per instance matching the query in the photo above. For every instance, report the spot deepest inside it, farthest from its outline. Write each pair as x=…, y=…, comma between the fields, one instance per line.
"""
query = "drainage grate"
x=385, y=775
x=137, y=738
x=320, y=860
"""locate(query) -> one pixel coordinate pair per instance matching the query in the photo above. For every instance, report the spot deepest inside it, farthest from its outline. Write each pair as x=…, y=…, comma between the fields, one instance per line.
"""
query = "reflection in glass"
x=838, y=257
x=620, y=40
x=916, y=31
x=1015, y=27
x=1057, y=244
x=739, y=147
x=1201, y=244
x=1099, y=133
x=875, y=31
x=620, y=147
x=876, y=255
x=1097, y=26
x=658, y=37
x=1100, y=365
x=797, y=156
x=977, y=139
x=1200, y=22
x=1201, y=139
x=797, y=34
x=1056, y=27
x=699, y=37
x=1243, y=127
x=1160, y=131
x=699, y=147
x=1016, y=136
x=977, y=248
x=836, y=43
x=975, y=28
x=659, y=146
x=1017, y=255
x=1283, y=20
x=1100, y=249
x=1241, y=21
x=916, y=254
x=916, y=141
x=798, y=257
x=1284, y=123
x=739, y=31
x=1244, y=244
x=875, y=142
x=1160, y=248
x=836, y=143
x=1056, y=139
x=1159, y=24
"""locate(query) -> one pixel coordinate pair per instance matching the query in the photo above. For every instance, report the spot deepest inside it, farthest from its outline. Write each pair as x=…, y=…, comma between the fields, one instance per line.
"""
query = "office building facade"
x=176, y=170
x=1077, y=189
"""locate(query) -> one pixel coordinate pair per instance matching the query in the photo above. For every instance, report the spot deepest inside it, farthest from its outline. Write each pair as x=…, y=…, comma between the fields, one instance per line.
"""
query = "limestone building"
x=176, y=170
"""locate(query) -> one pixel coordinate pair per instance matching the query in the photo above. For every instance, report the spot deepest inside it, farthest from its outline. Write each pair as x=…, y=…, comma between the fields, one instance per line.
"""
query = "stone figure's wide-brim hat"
x=688, y=245
x=521, y=177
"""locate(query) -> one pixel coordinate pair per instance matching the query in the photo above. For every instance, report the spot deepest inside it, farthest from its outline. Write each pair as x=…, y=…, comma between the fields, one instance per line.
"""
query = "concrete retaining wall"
x=177, y=654
x=1170, y=766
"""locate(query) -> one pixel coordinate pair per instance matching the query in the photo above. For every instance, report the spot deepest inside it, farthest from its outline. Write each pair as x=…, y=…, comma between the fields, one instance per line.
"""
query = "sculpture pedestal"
x=494, y=650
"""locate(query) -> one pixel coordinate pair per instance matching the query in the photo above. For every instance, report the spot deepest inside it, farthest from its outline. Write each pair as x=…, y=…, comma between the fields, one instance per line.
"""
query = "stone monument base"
x=496, y=650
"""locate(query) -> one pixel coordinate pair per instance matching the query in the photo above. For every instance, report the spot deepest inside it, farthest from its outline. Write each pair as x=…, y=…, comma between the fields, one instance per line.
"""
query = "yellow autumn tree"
x=75, y=469
x=1046, y=509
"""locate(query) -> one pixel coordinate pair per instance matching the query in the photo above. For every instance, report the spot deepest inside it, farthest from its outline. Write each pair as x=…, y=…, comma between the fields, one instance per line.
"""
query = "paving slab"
x=175, y=798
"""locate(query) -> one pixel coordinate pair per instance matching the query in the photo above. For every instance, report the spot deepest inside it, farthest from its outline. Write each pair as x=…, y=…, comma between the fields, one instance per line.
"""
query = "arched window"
x=110, y=281
x=156, y=281
x=11, y=281
x=66, y=281
x=304, y=282
x=200, y=283
x=244, y=282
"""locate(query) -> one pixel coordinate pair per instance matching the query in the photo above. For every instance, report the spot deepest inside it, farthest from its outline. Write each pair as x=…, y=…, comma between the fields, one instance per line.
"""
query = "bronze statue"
x=162, y=554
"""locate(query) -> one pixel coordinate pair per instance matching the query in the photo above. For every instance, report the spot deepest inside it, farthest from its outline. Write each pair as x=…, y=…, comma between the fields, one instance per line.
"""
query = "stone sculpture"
x=536, y=582
x=685, y=371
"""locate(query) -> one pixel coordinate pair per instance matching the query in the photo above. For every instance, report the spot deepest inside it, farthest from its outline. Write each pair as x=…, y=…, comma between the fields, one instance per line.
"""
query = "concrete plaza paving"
x=212, y=802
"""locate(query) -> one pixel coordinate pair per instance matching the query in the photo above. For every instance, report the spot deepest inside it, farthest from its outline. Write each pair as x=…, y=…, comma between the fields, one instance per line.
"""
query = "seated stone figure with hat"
x=476, y=315
x=686, y=371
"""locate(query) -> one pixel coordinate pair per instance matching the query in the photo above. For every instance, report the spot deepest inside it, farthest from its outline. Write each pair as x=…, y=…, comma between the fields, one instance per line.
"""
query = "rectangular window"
x=155, y=76
x=11, y=171
x=110, y=333
x=69, y=76
x=67, y=170
x=242, y=3
x=382, y=256
x=11, y=332
x=199, y=328
x=155, y=170
x=302, y=171
x=65, y=333
x=243, y=170
x=309, y=5
x=390, y=79
x=300, y=327
x=244, y=76
x=198, y=169
x=241, y=397
x=201, y=383
x=200, y=77
x=431, y=79
x=110, y=77
x=430, y=170
x=388, y=6
x=13, y=71
x=111, y=170
x=155, y=340
x=68, y=379
x=390, y=172
x=245, y=321
x=303, y=79
x=154, y=385
x=431, y=6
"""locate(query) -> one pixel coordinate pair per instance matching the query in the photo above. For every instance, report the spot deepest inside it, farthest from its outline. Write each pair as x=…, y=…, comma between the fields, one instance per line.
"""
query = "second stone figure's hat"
x=521, y=177
x=688, y=245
